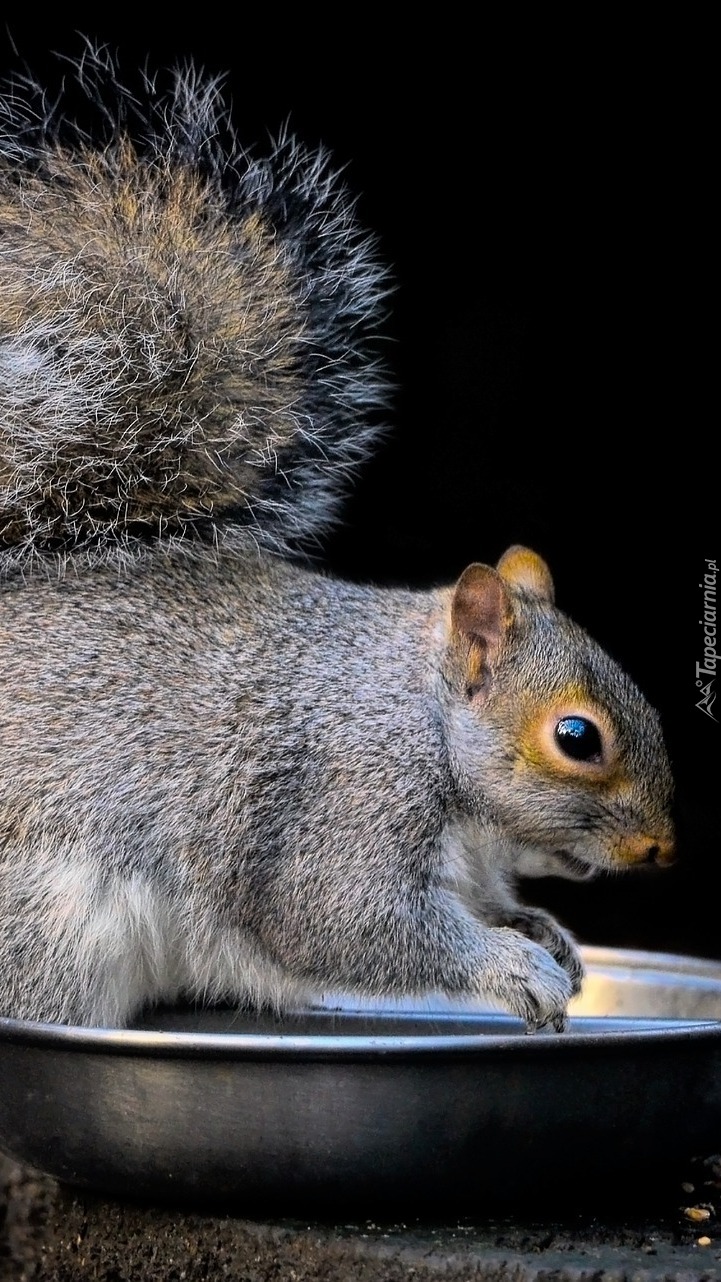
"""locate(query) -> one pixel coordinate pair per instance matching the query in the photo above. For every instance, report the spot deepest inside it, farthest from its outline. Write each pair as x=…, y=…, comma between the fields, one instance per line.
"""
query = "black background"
x=543, y=199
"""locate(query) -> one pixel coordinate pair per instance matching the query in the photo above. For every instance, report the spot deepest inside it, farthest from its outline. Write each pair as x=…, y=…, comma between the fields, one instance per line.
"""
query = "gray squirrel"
x=225, y=774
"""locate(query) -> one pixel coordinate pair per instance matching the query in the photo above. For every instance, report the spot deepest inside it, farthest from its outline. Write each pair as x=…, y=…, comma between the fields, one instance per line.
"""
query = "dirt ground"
x=52, y=1233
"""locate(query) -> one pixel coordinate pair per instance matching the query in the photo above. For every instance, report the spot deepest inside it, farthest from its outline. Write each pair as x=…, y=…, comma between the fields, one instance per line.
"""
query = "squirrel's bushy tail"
x=185, y=331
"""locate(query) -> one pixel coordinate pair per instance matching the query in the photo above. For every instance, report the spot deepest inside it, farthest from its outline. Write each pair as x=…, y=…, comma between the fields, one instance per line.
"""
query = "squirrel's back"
x=186, y=333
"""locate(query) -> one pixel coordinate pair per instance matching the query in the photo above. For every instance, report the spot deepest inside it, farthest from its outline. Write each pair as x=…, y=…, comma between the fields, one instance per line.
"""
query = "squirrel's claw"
x=557, y=1024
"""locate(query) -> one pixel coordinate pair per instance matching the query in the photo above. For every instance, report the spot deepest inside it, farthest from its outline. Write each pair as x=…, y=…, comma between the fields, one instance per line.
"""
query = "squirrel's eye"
x=578, y=738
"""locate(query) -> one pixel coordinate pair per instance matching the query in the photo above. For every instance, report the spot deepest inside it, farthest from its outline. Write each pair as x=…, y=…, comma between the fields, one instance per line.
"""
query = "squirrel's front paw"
x=527, y=981
x=543, y=929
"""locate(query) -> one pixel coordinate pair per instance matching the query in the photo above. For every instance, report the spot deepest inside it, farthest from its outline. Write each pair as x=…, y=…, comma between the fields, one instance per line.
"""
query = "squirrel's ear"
x=525, y=569
x=480, y=613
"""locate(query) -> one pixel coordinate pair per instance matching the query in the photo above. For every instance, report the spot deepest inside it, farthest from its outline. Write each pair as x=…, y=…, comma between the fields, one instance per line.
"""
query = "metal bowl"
x=397, y=1110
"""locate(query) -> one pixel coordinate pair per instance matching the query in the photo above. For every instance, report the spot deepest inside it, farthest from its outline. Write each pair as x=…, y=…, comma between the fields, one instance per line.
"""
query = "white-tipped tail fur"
x=187, y=348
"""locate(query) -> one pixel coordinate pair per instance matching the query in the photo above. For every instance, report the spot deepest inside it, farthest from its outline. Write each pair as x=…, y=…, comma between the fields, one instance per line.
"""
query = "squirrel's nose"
x=643, y=849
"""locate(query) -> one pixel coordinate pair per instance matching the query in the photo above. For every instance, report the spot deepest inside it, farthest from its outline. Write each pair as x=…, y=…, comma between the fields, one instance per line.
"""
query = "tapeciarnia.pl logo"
x=708, y=623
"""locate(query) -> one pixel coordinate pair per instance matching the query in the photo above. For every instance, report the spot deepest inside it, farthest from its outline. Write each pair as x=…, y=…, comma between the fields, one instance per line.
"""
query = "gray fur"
x=187, y=347
x=224, y=776
x=244, y=780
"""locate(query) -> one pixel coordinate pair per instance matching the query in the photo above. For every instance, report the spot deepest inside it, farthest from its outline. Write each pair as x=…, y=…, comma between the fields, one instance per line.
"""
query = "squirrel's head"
x=549, y=737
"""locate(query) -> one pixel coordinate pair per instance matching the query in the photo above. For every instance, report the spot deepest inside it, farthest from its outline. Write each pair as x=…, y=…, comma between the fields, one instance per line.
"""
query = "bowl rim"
x=506, y=1036
x=314, y=1046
